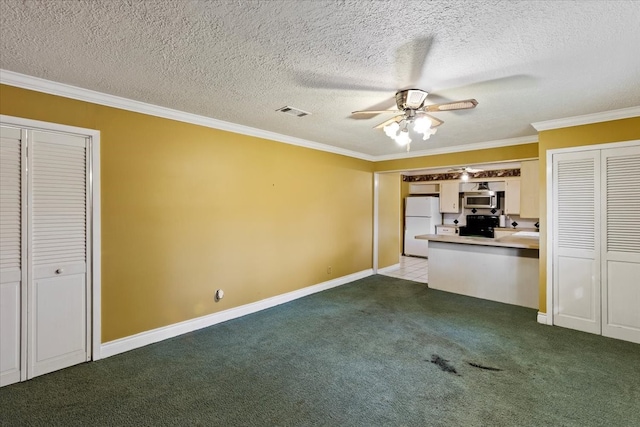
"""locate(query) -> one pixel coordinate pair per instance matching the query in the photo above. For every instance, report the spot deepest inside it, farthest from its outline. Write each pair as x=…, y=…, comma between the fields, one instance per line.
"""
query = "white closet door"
x=621, y=247
x=11, y=262
x=576, y=241
x=58, y=259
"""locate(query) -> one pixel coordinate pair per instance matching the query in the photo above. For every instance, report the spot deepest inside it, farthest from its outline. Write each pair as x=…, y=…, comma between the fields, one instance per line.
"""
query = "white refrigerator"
x=421, y=215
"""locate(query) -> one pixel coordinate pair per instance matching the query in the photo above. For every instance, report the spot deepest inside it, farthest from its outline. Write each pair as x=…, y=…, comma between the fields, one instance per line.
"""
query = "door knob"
x=60, y=271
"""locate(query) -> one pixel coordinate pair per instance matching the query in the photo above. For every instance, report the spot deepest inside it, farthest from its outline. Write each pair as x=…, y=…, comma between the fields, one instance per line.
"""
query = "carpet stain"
x=443, y=364
x=488, y=368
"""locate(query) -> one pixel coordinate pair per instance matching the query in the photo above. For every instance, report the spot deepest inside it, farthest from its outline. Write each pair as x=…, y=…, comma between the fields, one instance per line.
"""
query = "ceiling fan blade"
x=391, y=120
x=465, y=169
x=376, y=111
x=450, y=106
x=330, y=82
x=410, y=61
x=476, y=83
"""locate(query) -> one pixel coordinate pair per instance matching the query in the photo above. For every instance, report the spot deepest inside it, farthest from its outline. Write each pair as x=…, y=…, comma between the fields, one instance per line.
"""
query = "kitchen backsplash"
x=523, y=223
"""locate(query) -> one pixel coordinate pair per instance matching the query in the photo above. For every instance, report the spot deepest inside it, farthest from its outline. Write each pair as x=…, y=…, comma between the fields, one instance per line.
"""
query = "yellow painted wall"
x=597, y=133
x=389, y=219
x=489, y=155
x=187, y=210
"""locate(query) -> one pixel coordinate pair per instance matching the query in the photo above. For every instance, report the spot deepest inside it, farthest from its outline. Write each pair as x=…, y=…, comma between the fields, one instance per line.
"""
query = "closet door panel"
x=11, y=257
x=621, y=247
x=623, y=295
x=59, y=334
x=10, y=333
x=576, y=297
x=576, y=239
x=58, y=225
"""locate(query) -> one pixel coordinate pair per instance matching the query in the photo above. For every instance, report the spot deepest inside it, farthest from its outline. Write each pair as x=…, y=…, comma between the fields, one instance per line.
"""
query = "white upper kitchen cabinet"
x=512, y=197
x=450, y=197
x=530, y=189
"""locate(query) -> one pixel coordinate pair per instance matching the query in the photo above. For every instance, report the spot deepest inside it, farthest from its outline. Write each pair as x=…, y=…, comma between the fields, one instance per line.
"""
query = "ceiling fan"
x=413, y=111
x=465, y=171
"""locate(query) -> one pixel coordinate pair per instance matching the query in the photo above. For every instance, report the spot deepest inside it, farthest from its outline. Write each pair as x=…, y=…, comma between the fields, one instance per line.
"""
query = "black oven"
x=480, y=225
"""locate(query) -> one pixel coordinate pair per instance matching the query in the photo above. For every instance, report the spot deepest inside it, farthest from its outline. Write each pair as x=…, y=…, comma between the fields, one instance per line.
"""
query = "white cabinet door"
x=58, y=267
x=621, y=247
x=576, y=239
x=449, y=197
x=530, y=189
x=11, y=260
x=512, y=197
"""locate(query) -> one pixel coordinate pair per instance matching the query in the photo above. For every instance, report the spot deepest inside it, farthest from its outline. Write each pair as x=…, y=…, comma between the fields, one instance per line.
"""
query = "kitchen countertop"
x=511, y=241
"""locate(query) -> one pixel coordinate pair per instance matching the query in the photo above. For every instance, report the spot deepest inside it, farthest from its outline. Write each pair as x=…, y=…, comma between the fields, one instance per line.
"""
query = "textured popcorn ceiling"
x=239, y=61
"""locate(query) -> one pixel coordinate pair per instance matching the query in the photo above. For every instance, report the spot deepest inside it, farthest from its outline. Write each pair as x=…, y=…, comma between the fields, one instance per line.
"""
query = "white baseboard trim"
x=122, y=345
x=387, y=269
x=542, y=318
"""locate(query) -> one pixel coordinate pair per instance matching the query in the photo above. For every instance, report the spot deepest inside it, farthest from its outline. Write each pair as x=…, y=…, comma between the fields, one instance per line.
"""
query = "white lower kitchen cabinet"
x=509, y=275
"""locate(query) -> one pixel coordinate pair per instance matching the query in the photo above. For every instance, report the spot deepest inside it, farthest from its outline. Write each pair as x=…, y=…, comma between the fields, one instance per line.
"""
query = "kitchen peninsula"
x=503, y=269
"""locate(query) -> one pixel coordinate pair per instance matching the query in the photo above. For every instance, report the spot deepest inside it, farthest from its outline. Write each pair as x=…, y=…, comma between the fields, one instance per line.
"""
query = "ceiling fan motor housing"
x=410, y=99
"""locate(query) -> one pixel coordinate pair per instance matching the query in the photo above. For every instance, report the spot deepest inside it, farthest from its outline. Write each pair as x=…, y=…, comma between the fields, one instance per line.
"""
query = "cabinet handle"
x=60, y=271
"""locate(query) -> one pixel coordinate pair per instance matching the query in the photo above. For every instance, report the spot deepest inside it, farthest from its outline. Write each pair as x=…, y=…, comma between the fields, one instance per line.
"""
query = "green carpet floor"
x=376, y=352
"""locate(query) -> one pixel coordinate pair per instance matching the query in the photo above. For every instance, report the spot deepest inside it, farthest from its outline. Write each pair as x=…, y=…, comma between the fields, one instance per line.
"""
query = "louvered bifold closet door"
x=11, y=256
x=58, y=260
x=576, y=241
x=621, y=247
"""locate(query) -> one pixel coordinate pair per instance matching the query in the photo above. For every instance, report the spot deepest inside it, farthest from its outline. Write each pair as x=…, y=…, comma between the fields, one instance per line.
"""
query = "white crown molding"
x=587, y=119
x=67, y=91
x=24, y=81
x=132, y=342
x=460, y=148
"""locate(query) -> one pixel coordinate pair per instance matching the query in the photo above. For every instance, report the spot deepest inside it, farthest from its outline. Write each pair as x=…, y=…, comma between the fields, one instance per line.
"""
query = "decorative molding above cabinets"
x=456, y=176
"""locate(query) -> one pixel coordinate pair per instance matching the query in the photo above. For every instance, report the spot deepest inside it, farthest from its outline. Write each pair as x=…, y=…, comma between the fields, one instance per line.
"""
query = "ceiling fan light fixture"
x=428, y=134
x=403, y=139
x=398, y=132
x=423, y=125
x=391, y=130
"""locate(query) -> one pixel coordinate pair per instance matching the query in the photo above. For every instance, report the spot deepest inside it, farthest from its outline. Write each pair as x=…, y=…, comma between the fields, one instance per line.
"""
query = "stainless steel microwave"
x=481, y=199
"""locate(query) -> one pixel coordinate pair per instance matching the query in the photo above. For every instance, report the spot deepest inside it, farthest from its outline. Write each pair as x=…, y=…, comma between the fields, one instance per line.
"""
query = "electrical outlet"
x=329, y=270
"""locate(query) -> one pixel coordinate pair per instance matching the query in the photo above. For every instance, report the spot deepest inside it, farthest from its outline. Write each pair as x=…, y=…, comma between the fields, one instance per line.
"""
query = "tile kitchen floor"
x=410, y=268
